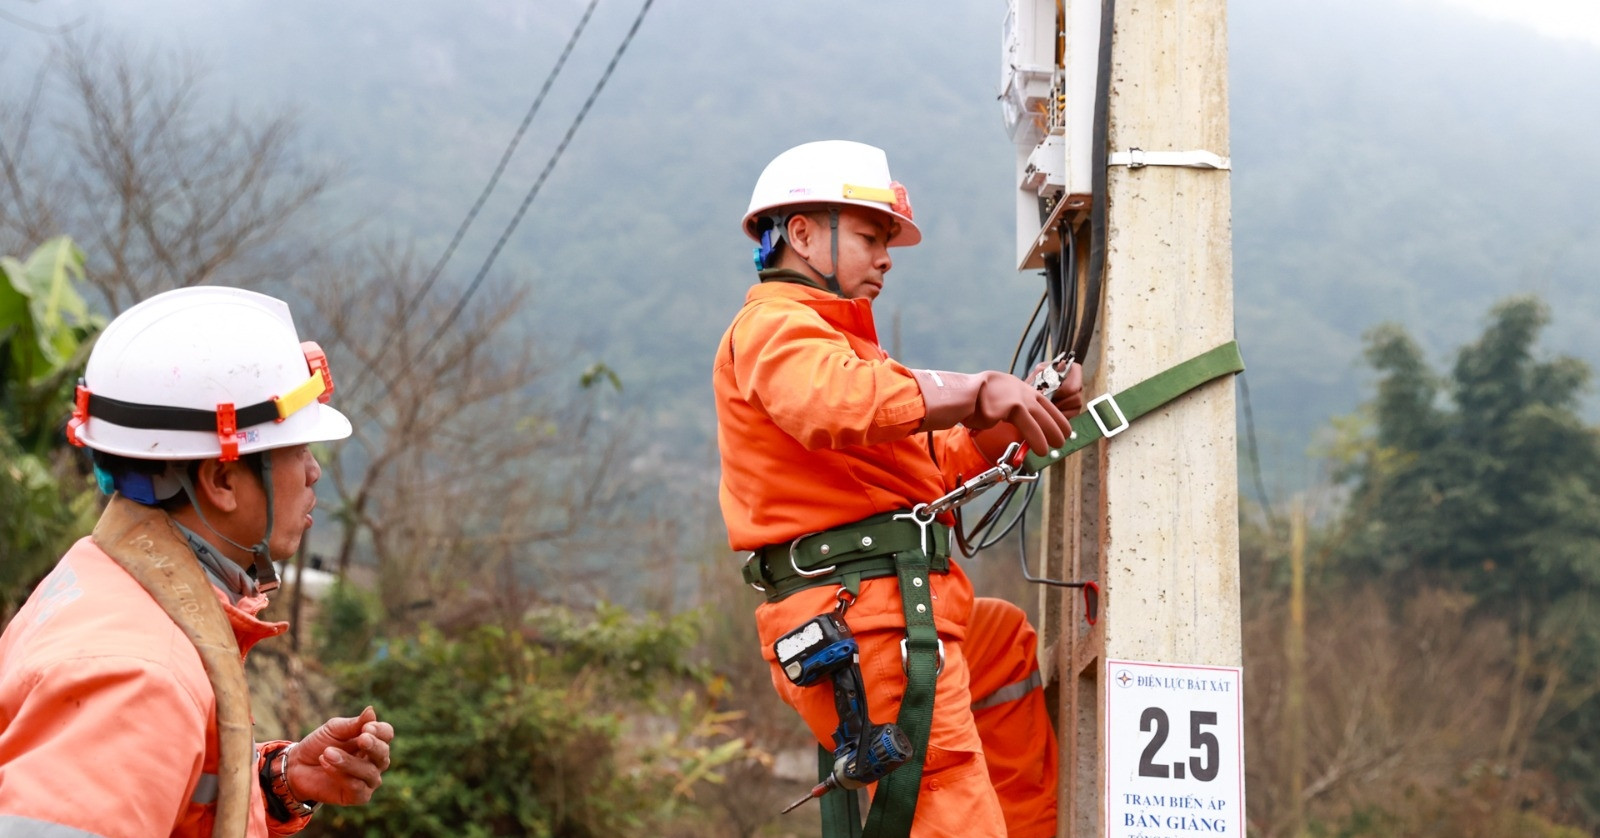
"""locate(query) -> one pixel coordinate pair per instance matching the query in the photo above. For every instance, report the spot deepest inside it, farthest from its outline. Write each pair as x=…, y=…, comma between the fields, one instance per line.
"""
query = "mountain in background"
x=1392, y=161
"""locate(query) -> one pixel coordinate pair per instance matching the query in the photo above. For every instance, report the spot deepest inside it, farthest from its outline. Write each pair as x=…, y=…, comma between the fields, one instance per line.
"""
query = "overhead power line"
x=494, y=179
x=544, y=175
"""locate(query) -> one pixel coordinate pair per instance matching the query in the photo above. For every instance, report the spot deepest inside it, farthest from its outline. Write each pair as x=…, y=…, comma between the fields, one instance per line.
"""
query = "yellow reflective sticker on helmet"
x=869, y=193
x=300, y=396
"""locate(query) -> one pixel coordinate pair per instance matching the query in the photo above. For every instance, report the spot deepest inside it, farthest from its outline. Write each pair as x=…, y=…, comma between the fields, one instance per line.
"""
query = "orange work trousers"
x=989, y=772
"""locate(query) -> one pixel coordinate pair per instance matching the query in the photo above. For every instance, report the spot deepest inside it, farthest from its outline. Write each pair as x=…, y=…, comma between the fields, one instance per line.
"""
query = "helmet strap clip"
x=832, y=279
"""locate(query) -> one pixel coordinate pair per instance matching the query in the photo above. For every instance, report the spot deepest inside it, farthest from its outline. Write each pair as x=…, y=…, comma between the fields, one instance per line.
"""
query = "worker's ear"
x=802, y=235
x=217, y=484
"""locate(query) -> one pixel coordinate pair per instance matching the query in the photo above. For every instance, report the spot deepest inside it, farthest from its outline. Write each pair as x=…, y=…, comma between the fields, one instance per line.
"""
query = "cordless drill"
x=863, y=752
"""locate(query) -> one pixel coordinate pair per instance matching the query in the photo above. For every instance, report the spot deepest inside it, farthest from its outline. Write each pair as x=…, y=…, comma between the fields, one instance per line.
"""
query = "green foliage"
x=46, y=331
x=1487, y=476
x=1487, y=480
x=45, y=335
x=599, y=372
x=559, y=728
x=636, y=651
x=347, y=624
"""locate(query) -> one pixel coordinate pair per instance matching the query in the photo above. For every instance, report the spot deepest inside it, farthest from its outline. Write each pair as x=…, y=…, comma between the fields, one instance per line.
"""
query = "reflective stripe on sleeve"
x=17, y=826
x=1009, y=692
x=205, y=791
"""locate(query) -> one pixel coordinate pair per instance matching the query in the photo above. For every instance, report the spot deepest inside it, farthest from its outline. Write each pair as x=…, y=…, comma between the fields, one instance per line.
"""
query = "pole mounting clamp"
x=1138, y=158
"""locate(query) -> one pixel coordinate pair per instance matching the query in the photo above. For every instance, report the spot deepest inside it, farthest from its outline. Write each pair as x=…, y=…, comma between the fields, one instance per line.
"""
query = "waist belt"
x=843, y=555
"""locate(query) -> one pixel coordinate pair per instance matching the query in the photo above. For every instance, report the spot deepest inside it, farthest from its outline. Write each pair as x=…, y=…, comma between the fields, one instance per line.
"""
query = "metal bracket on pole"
x=1138, y=158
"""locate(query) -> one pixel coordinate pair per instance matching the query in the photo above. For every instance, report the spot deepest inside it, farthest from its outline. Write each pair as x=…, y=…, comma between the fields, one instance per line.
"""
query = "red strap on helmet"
x=228, y=432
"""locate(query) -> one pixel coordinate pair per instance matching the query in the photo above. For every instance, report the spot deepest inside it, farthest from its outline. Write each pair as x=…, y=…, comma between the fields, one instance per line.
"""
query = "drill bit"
x=820, y=790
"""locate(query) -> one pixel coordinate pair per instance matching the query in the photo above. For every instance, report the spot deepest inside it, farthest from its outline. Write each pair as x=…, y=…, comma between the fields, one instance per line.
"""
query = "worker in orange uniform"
x=123, y=710
x=824, y=441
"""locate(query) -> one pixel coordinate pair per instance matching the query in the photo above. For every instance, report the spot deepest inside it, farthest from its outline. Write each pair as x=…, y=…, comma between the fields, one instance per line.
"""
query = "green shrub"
x=346, y=624
x=561, y=728
x=45, y=334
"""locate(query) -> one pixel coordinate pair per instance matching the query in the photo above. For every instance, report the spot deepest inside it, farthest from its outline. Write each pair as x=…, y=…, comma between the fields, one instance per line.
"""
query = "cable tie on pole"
x=1138, y=158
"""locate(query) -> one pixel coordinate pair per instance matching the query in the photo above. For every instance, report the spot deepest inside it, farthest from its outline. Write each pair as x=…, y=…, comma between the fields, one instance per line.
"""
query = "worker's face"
x=235, y=505
x=863, y=248
x=294, y=474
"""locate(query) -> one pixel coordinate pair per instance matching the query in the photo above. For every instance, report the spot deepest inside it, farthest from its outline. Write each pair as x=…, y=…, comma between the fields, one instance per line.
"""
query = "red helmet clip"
x=317, y=361
x=80, y=414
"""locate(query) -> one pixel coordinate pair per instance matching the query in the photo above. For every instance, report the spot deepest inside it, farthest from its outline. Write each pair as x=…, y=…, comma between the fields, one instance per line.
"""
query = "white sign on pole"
x=1174, y=745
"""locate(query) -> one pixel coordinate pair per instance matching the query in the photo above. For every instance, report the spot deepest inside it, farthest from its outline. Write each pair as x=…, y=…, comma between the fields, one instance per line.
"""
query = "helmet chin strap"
x=832, y=279
x=266, y=574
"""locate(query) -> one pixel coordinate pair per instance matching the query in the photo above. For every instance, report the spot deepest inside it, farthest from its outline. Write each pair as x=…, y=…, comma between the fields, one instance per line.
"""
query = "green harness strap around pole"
x=895, y=803
x=1109, y=415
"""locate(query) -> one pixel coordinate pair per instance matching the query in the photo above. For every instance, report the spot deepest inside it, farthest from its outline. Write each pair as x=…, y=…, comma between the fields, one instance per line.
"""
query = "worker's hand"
x=341, y=762
x=1008, y=399
x=984, y=400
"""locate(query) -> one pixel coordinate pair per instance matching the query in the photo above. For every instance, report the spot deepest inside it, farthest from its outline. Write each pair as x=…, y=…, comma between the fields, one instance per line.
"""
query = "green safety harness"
x=910, y=545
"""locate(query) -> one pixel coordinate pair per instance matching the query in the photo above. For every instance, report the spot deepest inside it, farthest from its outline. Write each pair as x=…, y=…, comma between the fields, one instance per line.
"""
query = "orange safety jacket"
x=816, y=424
x=108, y=723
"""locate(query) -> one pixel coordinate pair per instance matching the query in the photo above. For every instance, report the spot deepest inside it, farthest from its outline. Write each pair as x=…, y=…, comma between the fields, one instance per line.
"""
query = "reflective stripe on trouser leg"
x=1009, y=692
x=1019, y=741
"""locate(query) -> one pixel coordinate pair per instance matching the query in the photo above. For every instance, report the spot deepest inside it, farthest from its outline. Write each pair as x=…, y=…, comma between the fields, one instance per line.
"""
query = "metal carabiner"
x=846, y=599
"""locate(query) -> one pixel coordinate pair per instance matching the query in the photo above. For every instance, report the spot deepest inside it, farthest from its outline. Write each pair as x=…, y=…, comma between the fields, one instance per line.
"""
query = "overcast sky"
x=1568, y=19
x=1575, y=19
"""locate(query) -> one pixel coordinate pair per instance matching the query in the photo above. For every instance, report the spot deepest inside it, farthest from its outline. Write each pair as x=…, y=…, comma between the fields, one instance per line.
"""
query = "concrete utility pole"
x=1152, y=514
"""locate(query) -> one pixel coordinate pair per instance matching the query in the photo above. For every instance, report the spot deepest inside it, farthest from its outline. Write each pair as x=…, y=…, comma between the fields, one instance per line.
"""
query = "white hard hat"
x=831, y=172
x=204, y=372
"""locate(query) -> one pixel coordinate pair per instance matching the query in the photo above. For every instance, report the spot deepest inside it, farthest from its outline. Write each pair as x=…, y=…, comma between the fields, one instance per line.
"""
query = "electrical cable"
x=1097, y=236
x=1064, y=327
x=1098, y=183
x=1060, y=295
x=1069, y=258
x=544, y=175
x=499, y=169
x=1016, y=354
x=1255, y=457
x=1050, y=335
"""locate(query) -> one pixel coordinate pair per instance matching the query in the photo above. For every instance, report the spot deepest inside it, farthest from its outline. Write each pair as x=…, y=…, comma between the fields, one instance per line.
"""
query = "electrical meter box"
x=1027, y=67
x=1049, y=58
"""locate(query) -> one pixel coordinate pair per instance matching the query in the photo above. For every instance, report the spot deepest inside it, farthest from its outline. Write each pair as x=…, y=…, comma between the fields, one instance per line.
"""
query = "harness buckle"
x=747, y=560
x=923, y=515
x=1116, y=410
x=938, y=669
x=809, y=574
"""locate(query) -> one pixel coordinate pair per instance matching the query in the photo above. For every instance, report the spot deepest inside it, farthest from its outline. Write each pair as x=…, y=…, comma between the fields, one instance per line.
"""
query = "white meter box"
x=1049, y=60
x=1174, y=746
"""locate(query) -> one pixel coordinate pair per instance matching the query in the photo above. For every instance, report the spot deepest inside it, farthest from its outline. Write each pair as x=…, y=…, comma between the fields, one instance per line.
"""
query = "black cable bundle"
x=1063, y=326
